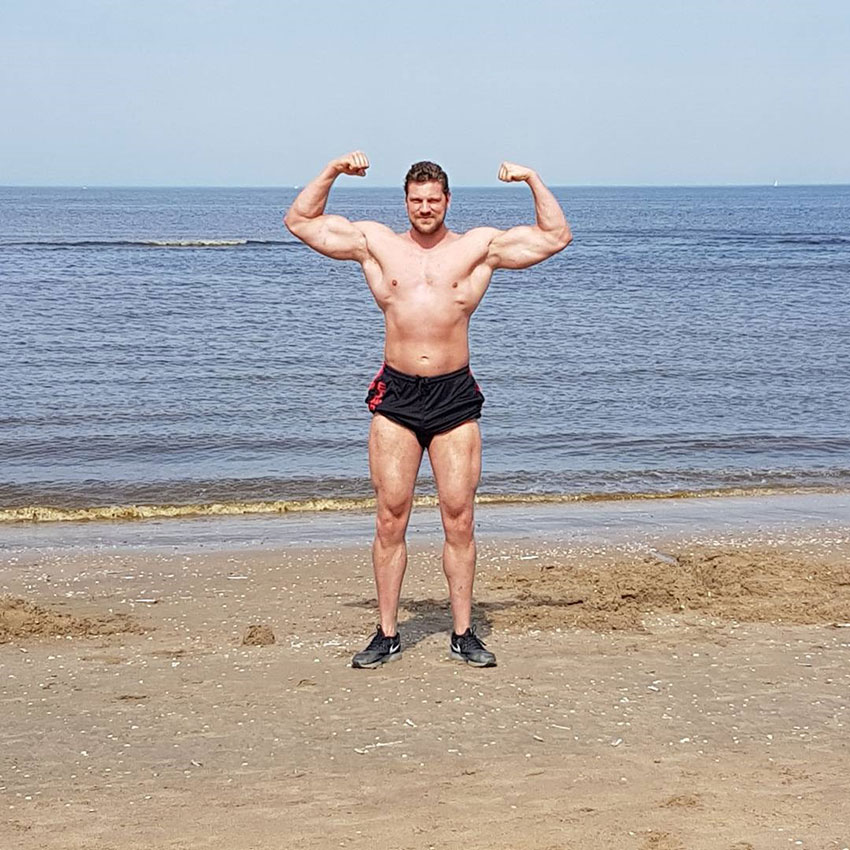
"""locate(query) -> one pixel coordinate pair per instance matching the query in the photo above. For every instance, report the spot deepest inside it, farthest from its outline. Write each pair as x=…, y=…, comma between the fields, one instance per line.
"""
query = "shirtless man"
x=428, y=282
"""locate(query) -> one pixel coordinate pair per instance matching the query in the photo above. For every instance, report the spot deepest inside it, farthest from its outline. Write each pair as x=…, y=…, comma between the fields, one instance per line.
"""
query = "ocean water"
x=175, y=348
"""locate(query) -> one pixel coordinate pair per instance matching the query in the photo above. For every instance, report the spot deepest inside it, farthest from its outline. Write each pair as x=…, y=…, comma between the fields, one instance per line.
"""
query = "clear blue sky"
x=257, y=92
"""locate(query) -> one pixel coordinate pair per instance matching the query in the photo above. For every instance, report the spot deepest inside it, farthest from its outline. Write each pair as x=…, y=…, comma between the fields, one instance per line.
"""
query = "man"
x=428, y=282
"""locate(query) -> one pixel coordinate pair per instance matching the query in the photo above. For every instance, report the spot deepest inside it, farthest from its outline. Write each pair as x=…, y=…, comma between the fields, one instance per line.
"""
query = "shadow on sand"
x=419, y=618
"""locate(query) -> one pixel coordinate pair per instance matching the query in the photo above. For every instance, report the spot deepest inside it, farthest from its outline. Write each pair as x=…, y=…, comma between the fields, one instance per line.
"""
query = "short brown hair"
x=422, y=172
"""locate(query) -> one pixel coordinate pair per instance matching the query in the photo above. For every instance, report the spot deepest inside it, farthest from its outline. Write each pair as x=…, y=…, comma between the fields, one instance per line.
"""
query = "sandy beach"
x=682, y=689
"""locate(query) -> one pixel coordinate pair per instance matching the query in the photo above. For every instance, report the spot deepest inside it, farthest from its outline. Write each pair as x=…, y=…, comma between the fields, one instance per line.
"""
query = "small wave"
x=724, y=235
x=815, y=240
x=155, y=243
x=196, y=243
x=46, y=513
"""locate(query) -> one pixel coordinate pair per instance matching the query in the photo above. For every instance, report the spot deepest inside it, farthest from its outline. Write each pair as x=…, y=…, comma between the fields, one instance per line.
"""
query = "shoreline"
x=588, y=522
x=322, y=504
x=36, y=513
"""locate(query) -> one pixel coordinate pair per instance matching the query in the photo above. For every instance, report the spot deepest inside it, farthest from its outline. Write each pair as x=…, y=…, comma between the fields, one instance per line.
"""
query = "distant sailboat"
x=775, y=184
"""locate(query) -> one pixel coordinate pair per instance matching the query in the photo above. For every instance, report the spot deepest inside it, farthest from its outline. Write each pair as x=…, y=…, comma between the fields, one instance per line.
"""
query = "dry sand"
x=689, y=695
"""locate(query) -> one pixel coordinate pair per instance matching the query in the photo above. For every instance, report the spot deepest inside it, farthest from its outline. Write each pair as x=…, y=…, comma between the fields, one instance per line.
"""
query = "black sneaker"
x=469, y=647
x=381, y=649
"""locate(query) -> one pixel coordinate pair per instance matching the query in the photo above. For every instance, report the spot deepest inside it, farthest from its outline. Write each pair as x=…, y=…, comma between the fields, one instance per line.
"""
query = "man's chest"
x=437, y=268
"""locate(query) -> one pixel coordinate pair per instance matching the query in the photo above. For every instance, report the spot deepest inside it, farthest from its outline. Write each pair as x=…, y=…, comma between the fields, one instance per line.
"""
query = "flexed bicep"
x=331, y=235
x=524, y=246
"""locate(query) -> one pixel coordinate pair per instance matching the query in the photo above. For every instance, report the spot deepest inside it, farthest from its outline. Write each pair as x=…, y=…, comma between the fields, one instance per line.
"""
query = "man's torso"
x=427, y=295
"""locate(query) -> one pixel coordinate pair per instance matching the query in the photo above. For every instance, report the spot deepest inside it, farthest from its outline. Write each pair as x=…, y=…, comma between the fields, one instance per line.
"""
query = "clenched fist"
x=354, y=163
x=510, y=172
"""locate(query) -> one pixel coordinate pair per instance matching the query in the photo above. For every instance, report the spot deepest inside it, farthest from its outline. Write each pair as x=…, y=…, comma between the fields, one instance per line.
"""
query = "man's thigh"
x=456, y=460
x=394, y=458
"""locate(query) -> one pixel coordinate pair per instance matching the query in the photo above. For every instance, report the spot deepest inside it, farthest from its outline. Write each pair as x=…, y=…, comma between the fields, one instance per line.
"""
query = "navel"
x=454, y=285
x=395, y=283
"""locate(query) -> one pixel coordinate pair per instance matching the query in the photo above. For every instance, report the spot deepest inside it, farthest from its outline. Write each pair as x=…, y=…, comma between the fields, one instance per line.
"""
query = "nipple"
x=454, y=285
x=395, y=283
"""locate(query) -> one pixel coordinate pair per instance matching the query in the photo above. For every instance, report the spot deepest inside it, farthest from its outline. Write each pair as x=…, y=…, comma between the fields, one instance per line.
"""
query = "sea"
x=174, y=351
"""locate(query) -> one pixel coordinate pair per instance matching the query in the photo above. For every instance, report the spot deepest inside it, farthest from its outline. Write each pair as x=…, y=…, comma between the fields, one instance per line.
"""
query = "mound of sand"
x=750, y=584
x=258, y=636
x=20, y=619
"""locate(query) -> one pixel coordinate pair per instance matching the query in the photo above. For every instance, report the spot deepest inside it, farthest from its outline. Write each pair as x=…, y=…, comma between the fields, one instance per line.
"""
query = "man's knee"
x=458, y=520
x=391, y=519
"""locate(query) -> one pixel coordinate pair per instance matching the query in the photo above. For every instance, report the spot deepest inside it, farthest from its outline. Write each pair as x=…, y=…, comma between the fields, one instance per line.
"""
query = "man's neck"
x=428, y=240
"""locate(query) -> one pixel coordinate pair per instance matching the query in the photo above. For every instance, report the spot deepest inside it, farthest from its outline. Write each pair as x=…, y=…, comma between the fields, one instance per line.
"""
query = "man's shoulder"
x=478, y=236
x=375, y=229
x=481, y=232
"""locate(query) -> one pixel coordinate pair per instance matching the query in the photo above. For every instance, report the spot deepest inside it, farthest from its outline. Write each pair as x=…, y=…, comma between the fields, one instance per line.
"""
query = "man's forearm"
x=312, y=199
x=550, y=216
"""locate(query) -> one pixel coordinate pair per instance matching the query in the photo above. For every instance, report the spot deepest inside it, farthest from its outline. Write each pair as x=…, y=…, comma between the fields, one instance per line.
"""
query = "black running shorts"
x=427, y=406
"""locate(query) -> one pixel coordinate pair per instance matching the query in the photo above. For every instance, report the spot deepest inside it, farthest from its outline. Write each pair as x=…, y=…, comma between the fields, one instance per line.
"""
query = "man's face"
x=426, y=205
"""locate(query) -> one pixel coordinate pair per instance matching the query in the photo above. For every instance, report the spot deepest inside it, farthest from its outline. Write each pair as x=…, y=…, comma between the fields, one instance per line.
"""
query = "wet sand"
x=660, y=689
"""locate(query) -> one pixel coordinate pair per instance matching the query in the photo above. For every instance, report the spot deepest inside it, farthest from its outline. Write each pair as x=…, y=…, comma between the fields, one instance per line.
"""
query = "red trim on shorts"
x=375, y=402
x=379, y=387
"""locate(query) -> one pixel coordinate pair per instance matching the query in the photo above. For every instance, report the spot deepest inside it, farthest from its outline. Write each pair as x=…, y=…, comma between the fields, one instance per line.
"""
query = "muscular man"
x=428, y=282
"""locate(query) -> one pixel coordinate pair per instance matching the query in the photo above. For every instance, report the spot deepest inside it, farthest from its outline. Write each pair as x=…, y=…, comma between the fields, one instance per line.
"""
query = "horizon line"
x=356, y=187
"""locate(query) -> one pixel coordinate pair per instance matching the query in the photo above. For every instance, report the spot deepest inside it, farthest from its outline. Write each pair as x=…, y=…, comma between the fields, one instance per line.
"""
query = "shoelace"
x=378, y=640
x=470, y=640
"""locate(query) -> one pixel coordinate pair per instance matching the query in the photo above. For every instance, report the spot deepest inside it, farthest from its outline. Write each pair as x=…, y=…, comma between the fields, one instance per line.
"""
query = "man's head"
x=426, y=189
